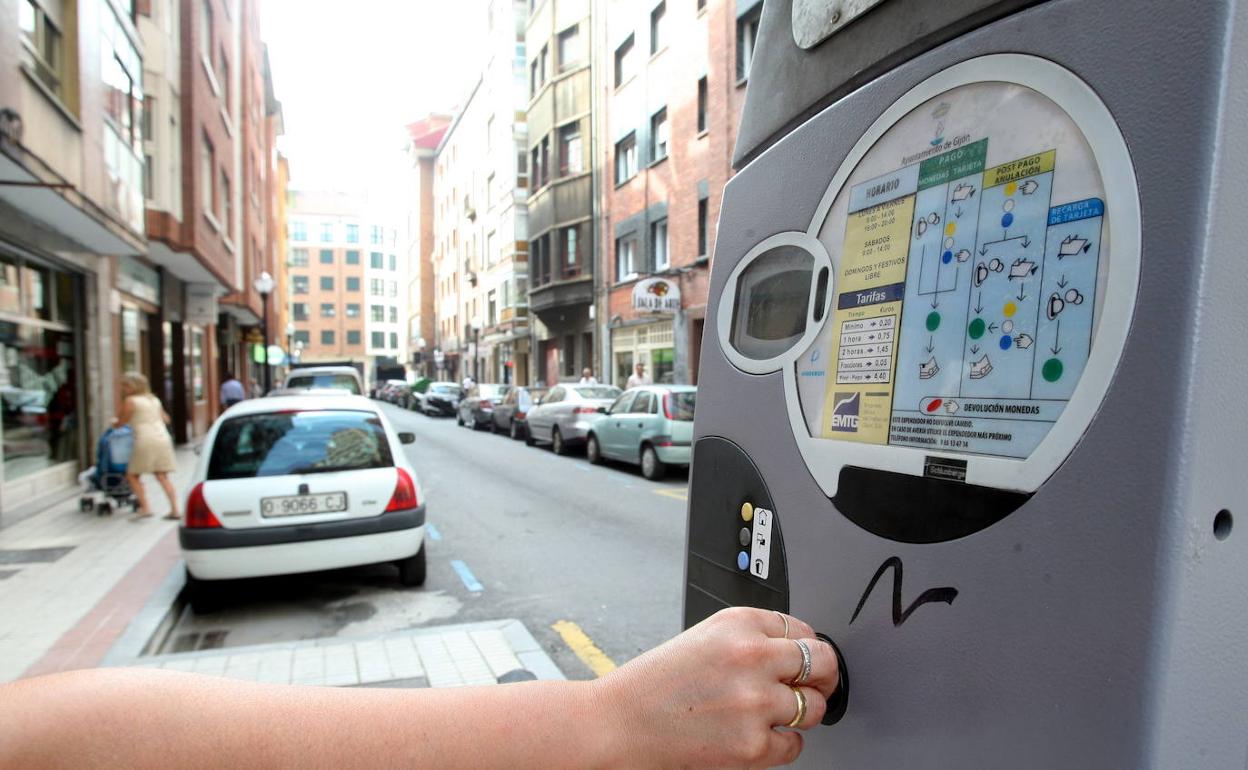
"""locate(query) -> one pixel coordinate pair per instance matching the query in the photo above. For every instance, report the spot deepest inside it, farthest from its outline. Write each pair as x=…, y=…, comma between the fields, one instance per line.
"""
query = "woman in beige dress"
x=153, y=448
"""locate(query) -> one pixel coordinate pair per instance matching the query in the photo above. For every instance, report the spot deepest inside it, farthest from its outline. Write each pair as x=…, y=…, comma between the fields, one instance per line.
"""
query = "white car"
x=319, y=377
x=300, y=484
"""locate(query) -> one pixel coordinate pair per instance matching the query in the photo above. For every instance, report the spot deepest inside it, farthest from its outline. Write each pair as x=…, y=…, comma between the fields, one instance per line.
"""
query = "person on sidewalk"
x=587, y=377
x=728, y=692
x=638, y=377
x=153, y=447
x=231, y=391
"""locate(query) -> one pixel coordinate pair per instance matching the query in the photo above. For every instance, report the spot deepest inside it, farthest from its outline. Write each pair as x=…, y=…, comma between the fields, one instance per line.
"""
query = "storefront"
x=647, y=343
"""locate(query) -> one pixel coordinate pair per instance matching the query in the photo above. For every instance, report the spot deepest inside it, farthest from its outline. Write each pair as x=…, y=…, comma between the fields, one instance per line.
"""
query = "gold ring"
x=786, y=622
x=800, y=716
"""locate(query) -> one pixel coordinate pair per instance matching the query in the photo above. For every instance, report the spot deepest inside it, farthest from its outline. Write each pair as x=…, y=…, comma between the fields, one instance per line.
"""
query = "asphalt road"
x=544, y=539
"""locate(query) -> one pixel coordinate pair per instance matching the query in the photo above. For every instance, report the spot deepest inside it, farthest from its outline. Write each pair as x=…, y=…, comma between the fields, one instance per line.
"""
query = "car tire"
x=528, y=438
x=557, y=444
x=593, y=452
x=459, y=419
x=651, y=466
x=412, y=570
x=513, y=430
x=200, y=595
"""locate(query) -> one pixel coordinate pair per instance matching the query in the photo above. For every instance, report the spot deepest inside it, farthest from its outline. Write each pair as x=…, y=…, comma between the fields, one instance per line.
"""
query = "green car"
x=650, y=426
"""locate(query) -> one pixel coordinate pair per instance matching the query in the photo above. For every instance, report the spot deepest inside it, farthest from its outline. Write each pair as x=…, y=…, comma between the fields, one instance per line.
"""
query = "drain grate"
x=196, y=640
x=33, y=555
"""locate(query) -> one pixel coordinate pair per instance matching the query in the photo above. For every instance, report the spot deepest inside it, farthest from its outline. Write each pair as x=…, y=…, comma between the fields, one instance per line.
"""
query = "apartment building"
x=674, y=77
x=559, y=50
x=424, y=136
x=480, y=259
x=344, y=279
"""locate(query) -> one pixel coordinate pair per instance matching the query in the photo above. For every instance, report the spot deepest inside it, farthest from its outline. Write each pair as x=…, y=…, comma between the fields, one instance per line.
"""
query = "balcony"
x=577, y=289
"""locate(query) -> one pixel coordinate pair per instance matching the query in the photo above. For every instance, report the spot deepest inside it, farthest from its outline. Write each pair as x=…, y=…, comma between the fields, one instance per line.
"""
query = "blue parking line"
x=465, y=574
x=432, y=532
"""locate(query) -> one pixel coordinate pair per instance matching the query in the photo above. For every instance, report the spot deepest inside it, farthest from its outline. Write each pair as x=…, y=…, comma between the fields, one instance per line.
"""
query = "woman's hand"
x=713, y=696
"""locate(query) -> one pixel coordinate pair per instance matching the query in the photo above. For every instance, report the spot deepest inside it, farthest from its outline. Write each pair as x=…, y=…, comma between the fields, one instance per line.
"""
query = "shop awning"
x=183, y=265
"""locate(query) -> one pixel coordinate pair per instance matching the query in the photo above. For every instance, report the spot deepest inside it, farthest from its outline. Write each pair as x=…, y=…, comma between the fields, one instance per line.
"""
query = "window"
x=747, y=36
x=42, y=41
x=701, y=104
x=569, y=48
x=353, y=310
x=545, y=169
x=658, y=136
x=658, y=36
x=394, y=262
x=207, y=32
x=658, y=245
x=353, y=336
x=537, y=166
x=327, y=336
x=208, y=176
x=298, y=228
x=327, y=283
x=299, y=284
x=394, y=339
x=376, y=287
x=624, y=61
x=703, y=224
x=353, y=257
x=327, y=232
x=543, y=68
x=394, y=314
x=299, y=258
x=491, y=308
x=378, y=339
x=570, y=161
x=625, y=259
x=223, y=80
x=299, y=310
x=377, y=312
x=327, y=256
x=375, y=260
x=353, y=284
x=328, y=310
x=227, y=206
x=626, y=158
x=375, y=234
x=533, y=82
x=569, y=245
x=303, y=336
x=393, y=287
x=353, y=233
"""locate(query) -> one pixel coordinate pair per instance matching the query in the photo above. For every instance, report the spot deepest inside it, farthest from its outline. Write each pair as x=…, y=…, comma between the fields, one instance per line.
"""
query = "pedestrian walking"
x=587, y=377
x=153, y=447
x=231, y=391
x=638, y=377
x=468, y=382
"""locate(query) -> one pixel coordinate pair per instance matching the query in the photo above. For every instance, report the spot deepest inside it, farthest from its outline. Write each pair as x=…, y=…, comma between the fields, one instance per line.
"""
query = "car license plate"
x=299, y=505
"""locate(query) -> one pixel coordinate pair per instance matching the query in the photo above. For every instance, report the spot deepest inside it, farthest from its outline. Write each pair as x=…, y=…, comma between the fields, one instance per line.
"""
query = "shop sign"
x=138, y=280
x=201, y=303
x=656, y=295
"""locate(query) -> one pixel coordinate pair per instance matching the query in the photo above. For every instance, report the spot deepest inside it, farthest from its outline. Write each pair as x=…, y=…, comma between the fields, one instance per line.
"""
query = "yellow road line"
x=584, y=647
x=676, y=494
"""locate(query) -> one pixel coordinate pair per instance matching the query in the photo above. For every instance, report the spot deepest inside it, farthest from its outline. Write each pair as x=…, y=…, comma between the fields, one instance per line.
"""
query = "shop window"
x=199, y=385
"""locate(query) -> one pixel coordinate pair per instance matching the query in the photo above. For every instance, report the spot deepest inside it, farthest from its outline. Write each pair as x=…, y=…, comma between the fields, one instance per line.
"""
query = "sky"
x=351, y=73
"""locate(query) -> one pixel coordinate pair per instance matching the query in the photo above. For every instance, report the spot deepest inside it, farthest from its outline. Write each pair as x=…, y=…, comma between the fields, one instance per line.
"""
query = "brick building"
x=424, y=136
x=672, y=84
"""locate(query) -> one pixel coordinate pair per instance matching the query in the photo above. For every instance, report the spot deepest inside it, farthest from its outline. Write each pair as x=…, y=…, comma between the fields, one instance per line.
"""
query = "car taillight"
x=519, y=415
x=667, y=406
x=404, y=497
x=662, y=440
x=198, y=514
x=585, y=410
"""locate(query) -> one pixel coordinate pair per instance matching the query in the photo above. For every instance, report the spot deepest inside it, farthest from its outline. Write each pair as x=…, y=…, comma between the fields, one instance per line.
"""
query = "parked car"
x=651, y=426
x=395, y=392
x=442, y=399
x=300, y=484
x=319, y=377
x=476, y=410
x=509, y=416
x=563, y=417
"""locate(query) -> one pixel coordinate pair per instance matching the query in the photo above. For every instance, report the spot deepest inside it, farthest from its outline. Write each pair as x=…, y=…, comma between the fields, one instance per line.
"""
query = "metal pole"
x=268, y=373
x=476, y=354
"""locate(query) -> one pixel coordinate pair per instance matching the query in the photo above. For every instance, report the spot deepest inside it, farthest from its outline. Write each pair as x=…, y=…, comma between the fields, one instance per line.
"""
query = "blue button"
x=1006, y=341
x=947, y=257
x=1007, y=220
x=743, y=560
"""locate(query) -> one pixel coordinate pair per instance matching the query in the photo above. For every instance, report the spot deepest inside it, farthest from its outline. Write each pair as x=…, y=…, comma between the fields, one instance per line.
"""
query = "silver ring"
x=804, y=674
x=786, y=622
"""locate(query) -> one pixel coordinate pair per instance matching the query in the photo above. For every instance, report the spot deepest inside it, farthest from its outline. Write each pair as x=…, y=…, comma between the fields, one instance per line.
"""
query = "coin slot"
x=839, y=701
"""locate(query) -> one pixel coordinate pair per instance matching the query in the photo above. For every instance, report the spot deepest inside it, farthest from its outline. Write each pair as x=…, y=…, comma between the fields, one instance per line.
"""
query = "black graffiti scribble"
x=946, y=594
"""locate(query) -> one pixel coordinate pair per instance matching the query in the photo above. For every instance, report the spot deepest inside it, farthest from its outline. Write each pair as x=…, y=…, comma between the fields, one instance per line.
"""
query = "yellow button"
x=747, y=511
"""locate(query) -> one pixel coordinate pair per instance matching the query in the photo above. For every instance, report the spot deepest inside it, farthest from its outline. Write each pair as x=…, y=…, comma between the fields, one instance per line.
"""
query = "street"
x=515, y=532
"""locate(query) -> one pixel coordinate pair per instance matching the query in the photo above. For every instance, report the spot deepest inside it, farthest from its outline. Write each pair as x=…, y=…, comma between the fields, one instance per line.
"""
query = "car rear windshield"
x=600, y=391
x=332, y=381
x=294, y=442
x=682, y=405
x=493, y=391
x=448, y=390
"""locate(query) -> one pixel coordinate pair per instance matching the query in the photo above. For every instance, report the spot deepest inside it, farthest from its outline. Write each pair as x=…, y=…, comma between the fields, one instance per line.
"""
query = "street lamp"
x=264, y=285
x=476, y=348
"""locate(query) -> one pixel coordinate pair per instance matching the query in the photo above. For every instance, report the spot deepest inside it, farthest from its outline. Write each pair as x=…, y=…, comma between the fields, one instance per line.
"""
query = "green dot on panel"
x=977, y=328
x=1052, y=370
x=933, y=321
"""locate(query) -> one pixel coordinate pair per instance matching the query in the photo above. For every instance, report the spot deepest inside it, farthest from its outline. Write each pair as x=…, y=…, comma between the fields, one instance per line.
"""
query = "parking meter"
x=972, y=381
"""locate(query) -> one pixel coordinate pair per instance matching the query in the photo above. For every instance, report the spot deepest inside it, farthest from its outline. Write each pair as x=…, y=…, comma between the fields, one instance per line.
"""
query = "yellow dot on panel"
x=1011, y=188
x=747, y=511
x=950, y=228
x=1010, y=309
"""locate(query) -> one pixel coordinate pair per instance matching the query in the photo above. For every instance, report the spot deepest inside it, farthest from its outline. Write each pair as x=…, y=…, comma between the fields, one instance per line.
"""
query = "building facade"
x=562, y=180
x=674, y=84
x=424, y=136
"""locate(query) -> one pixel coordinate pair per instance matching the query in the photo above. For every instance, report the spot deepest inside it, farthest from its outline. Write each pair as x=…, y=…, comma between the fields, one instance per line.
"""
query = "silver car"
x=564, y=415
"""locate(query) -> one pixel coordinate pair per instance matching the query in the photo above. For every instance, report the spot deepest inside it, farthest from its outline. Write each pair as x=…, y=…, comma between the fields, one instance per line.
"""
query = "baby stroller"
x=107, y=477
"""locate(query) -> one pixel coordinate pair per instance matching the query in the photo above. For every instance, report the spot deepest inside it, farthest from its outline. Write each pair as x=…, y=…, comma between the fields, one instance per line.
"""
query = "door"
x=541, y=419
x=637, y=424
x=552, y=362
x=610, y=427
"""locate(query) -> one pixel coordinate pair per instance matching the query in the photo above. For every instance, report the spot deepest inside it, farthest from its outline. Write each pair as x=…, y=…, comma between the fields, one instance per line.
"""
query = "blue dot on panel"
x=1007, y=220
x=1005, y=345
x=743, y=560
x=947, y=257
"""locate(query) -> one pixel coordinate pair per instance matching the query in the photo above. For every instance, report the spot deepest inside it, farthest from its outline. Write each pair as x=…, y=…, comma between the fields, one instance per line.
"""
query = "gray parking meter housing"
x=1024, y=563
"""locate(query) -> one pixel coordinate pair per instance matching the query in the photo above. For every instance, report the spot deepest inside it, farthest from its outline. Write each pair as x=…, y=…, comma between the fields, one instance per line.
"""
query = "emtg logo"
x=845, y=411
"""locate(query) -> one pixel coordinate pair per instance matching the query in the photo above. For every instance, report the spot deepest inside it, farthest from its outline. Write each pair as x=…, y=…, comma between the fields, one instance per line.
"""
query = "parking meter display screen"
x=970, y=253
